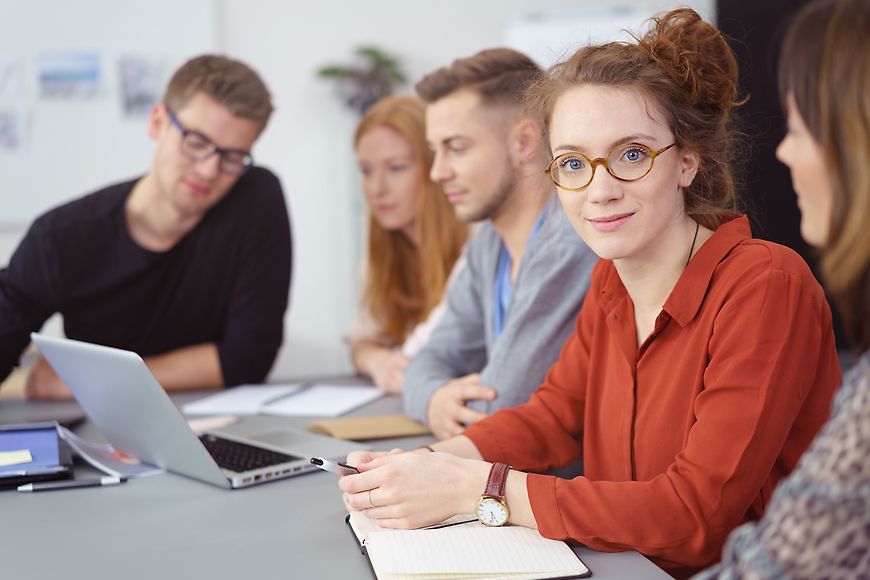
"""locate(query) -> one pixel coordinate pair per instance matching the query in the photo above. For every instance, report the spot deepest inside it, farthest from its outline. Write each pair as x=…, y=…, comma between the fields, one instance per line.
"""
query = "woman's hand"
x=413, y=489
x=388, y=371
x=356, y=458
x=385, y=366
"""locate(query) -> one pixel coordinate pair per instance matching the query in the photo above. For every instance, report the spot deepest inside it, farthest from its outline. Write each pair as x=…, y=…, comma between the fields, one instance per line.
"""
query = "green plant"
x=360, y=85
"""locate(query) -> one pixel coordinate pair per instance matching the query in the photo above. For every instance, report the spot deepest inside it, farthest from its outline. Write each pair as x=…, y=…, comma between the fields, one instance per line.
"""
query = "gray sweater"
x=546, y=298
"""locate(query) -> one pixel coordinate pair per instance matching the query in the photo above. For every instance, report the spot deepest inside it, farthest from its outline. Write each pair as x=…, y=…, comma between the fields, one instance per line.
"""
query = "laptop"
x=133, y=412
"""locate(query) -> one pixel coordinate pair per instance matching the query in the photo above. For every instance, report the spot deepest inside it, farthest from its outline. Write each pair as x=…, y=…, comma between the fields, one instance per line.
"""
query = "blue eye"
x=572, y=164
x=634, y=154
x=398, y=168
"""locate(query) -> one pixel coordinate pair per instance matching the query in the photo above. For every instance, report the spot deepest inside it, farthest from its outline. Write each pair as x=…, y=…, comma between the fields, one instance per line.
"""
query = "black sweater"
x=225, y=282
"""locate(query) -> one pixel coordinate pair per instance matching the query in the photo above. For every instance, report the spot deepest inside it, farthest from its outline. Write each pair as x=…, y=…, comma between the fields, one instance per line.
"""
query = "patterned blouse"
x=818, y=522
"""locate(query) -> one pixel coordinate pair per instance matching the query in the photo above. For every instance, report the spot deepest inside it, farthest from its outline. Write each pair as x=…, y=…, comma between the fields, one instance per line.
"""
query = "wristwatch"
x=491, y=508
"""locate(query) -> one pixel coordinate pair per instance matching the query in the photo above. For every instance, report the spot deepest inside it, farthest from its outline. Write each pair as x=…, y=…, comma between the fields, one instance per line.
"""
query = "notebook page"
x=510, y=551
x=363, y=526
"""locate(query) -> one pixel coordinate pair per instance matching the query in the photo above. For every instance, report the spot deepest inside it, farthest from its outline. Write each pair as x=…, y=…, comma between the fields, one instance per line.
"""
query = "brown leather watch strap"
x=497, y=479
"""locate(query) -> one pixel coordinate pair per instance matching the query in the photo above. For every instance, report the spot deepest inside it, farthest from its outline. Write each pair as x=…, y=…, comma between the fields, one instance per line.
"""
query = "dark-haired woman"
x=703, y=361
x=818, y=523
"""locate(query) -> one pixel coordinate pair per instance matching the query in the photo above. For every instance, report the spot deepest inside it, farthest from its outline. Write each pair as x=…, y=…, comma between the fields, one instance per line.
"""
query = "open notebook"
x=462, y=547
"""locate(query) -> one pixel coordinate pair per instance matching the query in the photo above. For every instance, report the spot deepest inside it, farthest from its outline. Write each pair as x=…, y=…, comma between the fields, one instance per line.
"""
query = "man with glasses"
x=514, y=305
x=188, y=265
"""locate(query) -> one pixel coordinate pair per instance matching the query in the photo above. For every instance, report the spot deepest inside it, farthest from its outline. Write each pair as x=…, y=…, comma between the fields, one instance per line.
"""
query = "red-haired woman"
x=415, y=240
x=703, y=362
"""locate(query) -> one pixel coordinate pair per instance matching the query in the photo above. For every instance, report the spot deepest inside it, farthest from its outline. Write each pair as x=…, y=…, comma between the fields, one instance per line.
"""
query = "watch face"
x=491, y=512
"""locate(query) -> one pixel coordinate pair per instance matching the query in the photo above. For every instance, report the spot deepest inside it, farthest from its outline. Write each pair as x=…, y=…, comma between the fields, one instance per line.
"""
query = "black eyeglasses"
x=197, y=147
x=628, y=162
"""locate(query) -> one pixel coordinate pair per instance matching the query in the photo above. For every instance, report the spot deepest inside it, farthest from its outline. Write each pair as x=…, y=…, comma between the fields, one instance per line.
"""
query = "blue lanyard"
x=502, y=288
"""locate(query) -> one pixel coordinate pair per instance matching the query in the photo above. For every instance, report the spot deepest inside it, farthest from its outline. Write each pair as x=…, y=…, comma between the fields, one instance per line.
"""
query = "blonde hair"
x=404, y=283
x=688, y=71
x=230, y=82
x=825, y=68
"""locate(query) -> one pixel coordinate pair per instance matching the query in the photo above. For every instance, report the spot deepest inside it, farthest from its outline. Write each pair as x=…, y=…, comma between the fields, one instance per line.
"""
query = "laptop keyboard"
x=240, y=457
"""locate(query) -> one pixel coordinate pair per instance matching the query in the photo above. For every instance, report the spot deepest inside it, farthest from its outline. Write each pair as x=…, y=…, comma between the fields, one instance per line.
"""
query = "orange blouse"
x=686, y=436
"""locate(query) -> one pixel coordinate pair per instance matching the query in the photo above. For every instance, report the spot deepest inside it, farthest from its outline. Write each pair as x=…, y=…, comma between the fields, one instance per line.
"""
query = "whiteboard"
x=72, y=146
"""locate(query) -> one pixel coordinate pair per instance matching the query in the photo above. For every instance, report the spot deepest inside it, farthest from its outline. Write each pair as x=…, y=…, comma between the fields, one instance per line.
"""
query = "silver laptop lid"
x=130, y=408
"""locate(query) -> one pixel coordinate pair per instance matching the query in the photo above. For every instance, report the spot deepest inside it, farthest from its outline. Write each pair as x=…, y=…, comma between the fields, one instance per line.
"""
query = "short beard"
x=494, y=204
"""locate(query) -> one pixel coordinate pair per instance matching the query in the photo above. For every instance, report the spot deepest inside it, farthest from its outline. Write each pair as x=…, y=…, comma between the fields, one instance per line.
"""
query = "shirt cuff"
x=542, y=498
x=488, y=445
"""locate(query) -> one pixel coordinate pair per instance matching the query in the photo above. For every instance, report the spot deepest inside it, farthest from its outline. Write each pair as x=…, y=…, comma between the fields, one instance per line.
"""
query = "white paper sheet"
x=323, y=401
x=241, y=400
x=200, y=425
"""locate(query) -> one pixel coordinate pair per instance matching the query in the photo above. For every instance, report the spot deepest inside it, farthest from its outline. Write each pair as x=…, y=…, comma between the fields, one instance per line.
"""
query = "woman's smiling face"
x=621, y=219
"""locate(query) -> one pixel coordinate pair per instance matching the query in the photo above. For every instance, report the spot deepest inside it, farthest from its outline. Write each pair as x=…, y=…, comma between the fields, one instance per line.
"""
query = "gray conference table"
x=168, y=526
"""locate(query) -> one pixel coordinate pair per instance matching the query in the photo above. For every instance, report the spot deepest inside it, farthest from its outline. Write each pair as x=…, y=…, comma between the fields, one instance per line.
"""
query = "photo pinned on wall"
x=11, y=131
x=11, y=79
x=141, y=82
x=69, y=75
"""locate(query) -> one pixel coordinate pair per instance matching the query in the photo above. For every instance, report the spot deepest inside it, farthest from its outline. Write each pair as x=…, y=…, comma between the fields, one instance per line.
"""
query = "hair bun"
x=695, y=55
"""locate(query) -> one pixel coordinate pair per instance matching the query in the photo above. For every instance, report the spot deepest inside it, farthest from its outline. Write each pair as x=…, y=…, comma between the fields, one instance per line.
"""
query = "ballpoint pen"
x=71, y=484
x=337, y=468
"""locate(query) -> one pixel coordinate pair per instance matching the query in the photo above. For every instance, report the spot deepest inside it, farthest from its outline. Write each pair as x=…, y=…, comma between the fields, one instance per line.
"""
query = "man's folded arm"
x=456, y=348
x=26, y=298
x=254, y=327
x=191, y=367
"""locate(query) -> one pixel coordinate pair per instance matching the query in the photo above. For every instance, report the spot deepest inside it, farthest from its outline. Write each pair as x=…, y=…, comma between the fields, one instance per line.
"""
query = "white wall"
x=308, y=140
x=71, y=145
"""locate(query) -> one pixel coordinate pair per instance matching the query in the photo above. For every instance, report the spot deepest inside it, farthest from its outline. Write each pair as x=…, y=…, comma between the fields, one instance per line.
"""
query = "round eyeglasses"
x=628, y=162
x=197, y=147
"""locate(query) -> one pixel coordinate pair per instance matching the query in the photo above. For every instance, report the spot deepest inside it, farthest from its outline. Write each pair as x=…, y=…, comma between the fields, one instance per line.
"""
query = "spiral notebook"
x=462, y=547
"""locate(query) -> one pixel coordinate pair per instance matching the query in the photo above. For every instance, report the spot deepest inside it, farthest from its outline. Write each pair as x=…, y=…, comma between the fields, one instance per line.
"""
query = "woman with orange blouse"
x=703, y=361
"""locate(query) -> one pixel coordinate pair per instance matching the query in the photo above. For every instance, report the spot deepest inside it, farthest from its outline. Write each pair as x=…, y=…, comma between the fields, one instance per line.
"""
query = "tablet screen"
x=41, y=444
